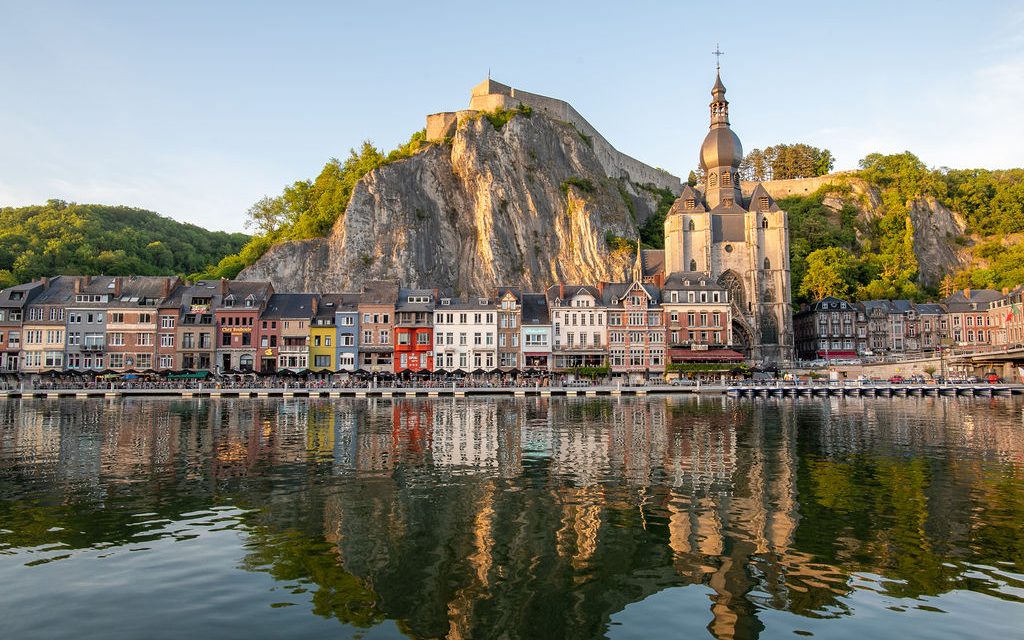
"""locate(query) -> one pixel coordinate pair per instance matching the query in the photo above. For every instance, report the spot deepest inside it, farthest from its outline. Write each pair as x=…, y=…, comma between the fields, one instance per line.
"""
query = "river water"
x=512, y=518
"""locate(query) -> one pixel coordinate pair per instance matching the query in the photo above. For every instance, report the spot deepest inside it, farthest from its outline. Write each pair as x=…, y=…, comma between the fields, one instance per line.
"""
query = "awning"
x=837, y=354
x=711, y=355
x=190, y=375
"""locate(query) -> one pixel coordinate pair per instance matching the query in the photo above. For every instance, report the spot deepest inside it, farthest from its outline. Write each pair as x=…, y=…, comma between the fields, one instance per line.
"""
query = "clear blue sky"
x=197, y=109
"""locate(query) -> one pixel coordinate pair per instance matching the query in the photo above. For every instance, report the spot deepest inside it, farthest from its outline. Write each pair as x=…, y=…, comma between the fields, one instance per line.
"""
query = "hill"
x=68, y=238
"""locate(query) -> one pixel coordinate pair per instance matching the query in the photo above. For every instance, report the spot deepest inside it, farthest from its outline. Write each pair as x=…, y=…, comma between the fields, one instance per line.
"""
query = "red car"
x=992, y=378
x=896, y=379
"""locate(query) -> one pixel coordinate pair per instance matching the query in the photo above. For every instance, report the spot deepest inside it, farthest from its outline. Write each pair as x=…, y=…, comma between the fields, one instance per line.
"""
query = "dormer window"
x=229, y=301
x=250, y=300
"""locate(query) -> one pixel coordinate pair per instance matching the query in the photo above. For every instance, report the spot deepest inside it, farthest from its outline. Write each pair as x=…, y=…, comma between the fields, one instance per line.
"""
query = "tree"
x=786, y=161
x=266, y=215
x=828, y=274
x=692, y=179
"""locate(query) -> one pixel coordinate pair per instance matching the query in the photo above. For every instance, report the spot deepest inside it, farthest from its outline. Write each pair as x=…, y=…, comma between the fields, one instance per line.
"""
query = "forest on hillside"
x=69, y=238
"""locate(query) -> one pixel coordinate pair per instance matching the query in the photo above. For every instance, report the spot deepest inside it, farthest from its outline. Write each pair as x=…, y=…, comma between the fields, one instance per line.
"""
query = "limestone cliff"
x=936, y=227
x=527, y=204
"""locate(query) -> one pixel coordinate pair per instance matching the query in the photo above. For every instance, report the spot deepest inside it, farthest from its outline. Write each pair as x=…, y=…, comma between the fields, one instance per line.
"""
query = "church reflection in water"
x=545, y=518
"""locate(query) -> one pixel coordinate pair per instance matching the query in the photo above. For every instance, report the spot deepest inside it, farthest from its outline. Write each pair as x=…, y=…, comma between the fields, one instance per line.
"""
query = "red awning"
x=837, y=354
x=711, y=355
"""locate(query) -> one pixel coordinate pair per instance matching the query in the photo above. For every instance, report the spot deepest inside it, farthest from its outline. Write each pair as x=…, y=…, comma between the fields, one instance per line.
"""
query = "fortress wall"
x=615, y=163
x=795, y=187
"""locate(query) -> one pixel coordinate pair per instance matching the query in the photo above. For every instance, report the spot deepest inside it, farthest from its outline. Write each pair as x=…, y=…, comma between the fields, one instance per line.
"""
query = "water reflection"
x=532, y=517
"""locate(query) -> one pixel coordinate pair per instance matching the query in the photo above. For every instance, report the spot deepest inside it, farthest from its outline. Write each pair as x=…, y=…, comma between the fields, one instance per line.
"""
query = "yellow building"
x=323, y=335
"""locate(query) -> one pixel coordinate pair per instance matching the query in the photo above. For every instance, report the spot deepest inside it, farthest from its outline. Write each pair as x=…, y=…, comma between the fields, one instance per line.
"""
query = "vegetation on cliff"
x=308, y=208
x=69, y=238
x=876, y=259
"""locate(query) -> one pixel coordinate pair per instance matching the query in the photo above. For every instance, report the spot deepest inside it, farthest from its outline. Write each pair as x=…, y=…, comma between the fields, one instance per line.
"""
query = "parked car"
x=896, y=380
x=973, y=379
x=992, y=378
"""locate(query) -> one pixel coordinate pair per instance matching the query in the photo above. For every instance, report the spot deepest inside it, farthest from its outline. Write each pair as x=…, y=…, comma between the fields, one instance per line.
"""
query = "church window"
x=728, y=248
x=762, y=202
x=713, y=180
x=767, y=264
x=764, y=223
x=727, y=202
x=693, y=265
x=726, y=179
x=692, y=226
x=691, y=203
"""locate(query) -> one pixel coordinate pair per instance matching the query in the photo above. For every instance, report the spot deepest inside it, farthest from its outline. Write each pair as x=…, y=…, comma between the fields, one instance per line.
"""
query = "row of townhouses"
x=835, y=329
x=120, y=324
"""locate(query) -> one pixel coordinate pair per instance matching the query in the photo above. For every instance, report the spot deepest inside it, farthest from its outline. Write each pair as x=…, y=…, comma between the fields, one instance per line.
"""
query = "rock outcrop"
x=526, y=205
x=935, y=226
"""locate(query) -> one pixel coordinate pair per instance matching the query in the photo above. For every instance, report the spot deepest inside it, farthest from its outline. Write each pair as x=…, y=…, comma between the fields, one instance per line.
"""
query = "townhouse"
x=508, y=304
x=635, y=329
x=13, y=303
x=578, y=321
x=376, y=310
x=346, y=320
x=196, y=332
x=970, y=324
x=465, y=334
x=44, y=326
x=236, y=320
x=132, y=321
x=698, y=319
x=284, y=332
x=536, y=331
x=414, y=330
x=323, y=333
x=827, y=329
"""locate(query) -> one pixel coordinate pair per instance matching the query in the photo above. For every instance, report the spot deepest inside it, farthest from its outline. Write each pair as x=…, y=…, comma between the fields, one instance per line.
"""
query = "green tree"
x=829, y=272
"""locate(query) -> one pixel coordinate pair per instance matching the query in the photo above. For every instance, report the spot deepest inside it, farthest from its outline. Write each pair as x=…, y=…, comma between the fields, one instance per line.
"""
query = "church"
x=740, y=242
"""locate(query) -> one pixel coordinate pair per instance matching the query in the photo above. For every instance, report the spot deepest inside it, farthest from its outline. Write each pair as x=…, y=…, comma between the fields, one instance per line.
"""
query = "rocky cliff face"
x=935, y=226
x=524, y=205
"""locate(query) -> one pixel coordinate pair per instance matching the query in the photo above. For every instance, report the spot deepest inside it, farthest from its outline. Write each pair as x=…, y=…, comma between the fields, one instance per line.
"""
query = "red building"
x=414, y=330
x=237, y=322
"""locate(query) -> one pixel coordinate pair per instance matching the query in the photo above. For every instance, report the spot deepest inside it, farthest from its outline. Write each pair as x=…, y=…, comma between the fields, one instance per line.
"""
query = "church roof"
x=653, y=261
x=755, y=198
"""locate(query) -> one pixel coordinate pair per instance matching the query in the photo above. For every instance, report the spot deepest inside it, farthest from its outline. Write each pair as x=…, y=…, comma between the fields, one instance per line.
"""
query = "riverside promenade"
x=780, y=389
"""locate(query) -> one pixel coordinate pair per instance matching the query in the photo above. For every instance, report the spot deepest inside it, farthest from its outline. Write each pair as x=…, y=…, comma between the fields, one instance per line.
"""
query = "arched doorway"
x=741, y=339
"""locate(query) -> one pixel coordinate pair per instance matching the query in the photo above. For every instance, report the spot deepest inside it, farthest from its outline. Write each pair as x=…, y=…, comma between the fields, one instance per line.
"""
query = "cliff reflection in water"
x=544, y=518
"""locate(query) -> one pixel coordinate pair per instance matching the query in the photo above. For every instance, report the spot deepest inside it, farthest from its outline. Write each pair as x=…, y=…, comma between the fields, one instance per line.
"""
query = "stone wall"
x=491, y=95
x=795, y=187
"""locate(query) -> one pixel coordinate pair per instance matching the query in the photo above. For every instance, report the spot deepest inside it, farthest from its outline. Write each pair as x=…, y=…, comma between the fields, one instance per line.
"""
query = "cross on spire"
x=718, y=53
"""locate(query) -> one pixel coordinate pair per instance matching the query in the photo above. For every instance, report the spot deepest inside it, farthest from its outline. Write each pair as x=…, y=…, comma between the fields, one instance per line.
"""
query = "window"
x=117, y=318
x=693, y=265
x=762, y=204
x=385, y=337
x=144, y=340
x=367, y=337
x=726, y=179
x=692, y=226
x=166, y=339
x=116, y=339
x=166, y=362
x=690, y=204
x=767, y=264
x=713, y=180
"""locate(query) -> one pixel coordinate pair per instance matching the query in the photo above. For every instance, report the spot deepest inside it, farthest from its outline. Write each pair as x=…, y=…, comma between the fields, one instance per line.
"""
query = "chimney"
x=314, y=304
x=561, y=290
x=600, y=287
x=1006, y=291
x=967, y=293
x=44, y=281
x=166, y=289
x=78, y=285
x=223, y=286
x=117, y=286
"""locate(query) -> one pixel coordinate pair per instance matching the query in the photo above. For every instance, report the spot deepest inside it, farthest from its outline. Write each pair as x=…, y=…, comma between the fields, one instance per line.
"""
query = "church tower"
x=742, y=241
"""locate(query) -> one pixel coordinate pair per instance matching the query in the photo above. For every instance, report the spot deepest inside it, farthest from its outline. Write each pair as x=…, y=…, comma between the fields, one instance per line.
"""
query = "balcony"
x=93, y=347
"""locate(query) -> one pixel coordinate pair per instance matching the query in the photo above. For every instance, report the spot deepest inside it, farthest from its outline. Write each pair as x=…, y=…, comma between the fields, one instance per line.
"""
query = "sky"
x=196, y=110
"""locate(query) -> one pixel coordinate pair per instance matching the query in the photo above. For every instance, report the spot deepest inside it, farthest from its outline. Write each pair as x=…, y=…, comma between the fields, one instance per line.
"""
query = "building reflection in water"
x=543, y=518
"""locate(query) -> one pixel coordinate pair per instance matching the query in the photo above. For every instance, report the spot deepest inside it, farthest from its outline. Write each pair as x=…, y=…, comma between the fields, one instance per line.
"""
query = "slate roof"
x=535, y=310
x=678, y=282
x=289, y=305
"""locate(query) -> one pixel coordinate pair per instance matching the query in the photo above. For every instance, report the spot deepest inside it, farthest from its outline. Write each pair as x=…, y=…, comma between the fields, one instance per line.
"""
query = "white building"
x=465, y=335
